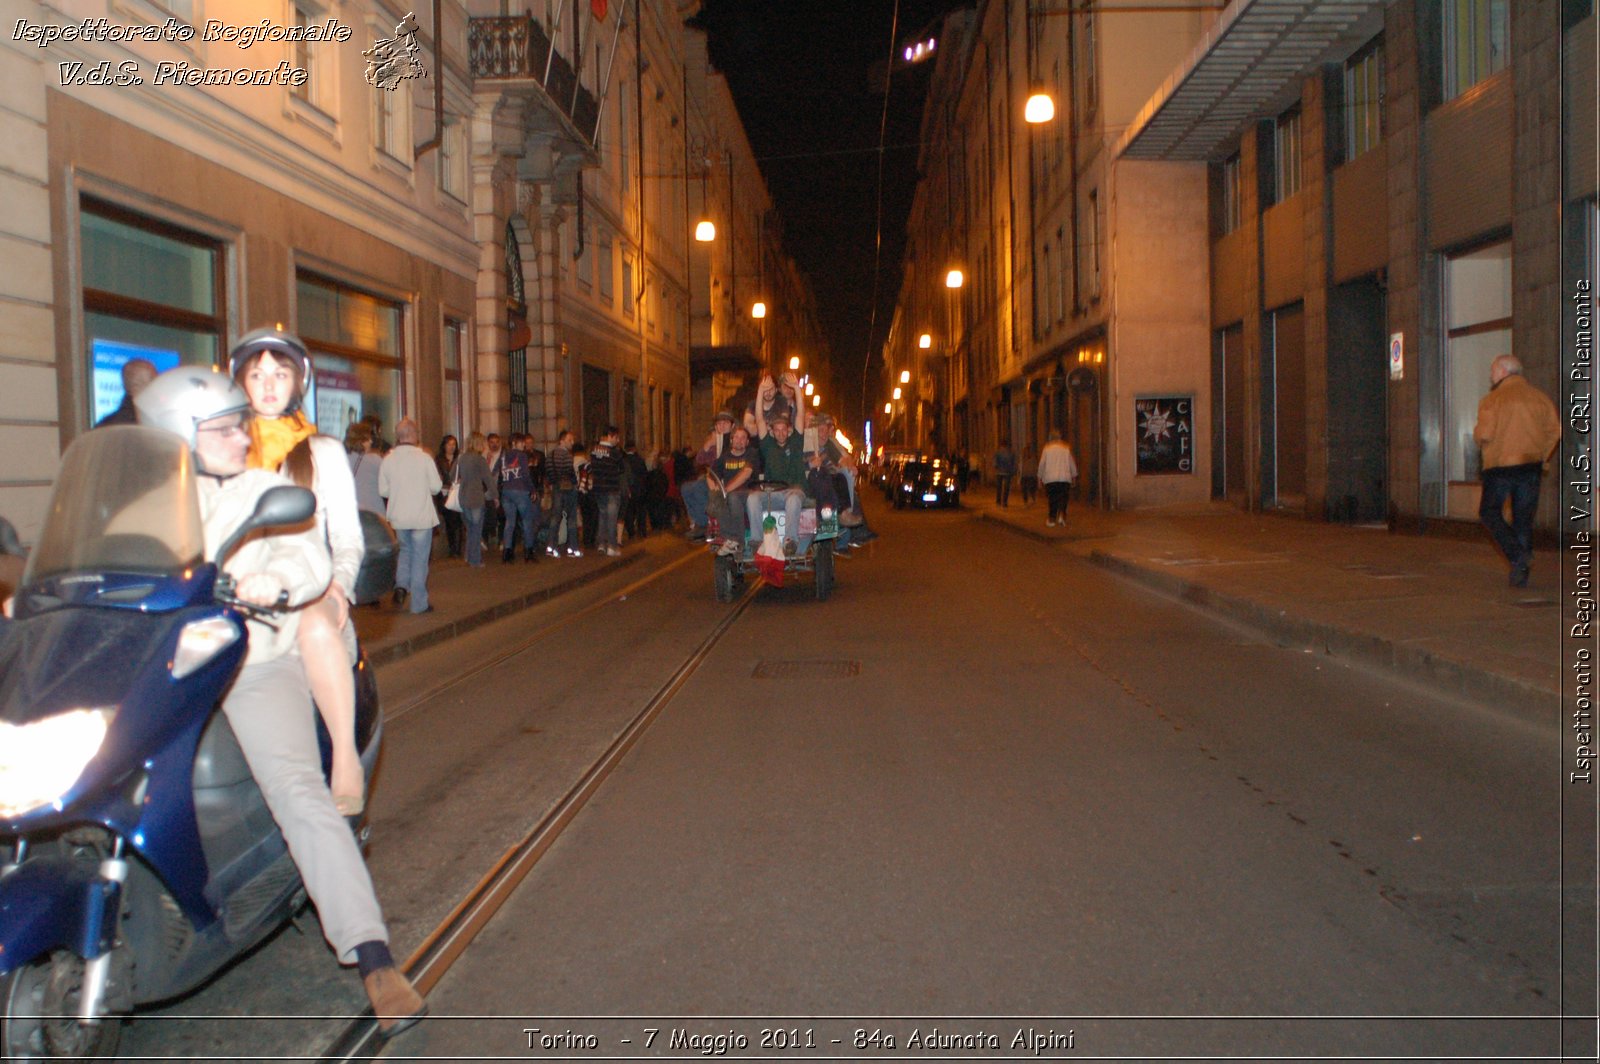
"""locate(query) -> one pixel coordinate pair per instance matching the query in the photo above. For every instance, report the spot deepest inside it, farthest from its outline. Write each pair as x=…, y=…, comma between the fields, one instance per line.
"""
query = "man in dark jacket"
x=635, y=475
x=516, y=499
x=607, y=473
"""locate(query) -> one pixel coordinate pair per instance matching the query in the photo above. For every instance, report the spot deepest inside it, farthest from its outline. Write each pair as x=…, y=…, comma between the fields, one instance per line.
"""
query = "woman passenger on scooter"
x=274, y=369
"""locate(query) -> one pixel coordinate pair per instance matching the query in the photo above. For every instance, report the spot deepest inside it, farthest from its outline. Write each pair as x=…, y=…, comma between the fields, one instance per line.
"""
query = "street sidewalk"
x=1434, y=610
x=464, y=598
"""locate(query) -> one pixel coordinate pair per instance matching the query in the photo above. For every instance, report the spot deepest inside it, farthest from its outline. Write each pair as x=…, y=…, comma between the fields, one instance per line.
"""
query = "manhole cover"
x=837, y=669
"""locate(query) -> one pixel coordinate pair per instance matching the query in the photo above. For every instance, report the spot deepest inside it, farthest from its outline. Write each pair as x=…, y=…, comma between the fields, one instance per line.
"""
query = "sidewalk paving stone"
x=1434, y=610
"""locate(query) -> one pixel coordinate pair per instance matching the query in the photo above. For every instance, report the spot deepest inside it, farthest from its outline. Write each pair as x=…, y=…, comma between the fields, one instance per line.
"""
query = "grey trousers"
x=270, y=709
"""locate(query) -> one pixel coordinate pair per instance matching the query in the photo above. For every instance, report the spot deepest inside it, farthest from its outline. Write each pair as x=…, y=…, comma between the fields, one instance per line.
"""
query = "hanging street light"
x=1040, y=107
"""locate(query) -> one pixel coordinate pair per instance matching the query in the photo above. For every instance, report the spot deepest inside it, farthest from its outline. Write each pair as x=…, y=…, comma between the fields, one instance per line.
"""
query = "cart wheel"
x=823, y=564
x=727, y=577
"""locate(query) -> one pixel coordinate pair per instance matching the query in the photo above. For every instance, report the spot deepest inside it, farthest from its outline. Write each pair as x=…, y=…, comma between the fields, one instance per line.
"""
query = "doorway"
x=1358, y=424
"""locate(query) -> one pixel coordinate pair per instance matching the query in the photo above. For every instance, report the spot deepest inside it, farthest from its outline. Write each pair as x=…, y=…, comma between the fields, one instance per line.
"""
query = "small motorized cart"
x=819, y=527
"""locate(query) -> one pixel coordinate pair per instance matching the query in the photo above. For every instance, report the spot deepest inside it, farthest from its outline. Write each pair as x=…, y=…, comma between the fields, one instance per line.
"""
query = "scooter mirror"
x=278, y=507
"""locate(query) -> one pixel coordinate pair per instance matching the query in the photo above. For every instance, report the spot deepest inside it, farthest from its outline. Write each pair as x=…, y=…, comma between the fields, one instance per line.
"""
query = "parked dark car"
x=925, y=483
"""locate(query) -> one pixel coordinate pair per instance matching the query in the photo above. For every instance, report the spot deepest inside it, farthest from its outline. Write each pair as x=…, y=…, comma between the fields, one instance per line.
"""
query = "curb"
x=460, y=626
x=1526, y=701
x=1012, y=526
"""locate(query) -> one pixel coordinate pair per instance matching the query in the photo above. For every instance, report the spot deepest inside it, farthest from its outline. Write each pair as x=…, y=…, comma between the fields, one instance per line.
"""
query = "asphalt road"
x=985, y=788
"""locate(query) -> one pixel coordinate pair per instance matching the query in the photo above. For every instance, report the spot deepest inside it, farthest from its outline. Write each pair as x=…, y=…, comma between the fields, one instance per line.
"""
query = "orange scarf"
x=272, y=438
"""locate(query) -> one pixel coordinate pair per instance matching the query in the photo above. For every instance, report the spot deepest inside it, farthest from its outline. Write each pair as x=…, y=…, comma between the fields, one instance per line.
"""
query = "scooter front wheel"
x=39, y=1020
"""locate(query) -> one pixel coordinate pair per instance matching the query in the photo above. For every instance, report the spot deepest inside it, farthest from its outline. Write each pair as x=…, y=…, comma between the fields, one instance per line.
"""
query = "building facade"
x=474, y=219
x=1269, y=250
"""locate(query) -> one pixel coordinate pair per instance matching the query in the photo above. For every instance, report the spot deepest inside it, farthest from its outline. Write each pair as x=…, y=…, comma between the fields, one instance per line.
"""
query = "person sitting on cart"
x=782, y=460
x=731, y=474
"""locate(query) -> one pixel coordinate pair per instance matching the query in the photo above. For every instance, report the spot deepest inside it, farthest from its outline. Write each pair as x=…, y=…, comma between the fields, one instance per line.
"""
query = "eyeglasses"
x=226, y=430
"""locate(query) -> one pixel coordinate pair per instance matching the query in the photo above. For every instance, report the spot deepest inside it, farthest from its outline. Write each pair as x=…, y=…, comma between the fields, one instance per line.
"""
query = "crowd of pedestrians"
x=505, y=493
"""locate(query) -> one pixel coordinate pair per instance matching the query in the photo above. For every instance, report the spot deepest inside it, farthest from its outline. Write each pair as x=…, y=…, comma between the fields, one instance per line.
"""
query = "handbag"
x=452, y=501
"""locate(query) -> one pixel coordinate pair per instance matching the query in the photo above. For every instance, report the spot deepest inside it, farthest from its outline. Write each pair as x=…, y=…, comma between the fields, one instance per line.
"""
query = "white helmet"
x=283, y=344
x=180, y=399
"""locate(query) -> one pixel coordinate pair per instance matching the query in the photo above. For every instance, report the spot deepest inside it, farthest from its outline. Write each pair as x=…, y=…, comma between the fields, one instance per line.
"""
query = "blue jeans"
x=609, y=504
x=472, y=516
x=790, y=499
x=520, y=506
x=695, y=495
x=1520, y=484
x=564, y=505
x=412, y=571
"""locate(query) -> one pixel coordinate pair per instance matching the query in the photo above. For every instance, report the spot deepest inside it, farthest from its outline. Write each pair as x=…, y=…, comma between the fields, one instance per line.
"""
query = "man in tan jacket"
x=1518, y=428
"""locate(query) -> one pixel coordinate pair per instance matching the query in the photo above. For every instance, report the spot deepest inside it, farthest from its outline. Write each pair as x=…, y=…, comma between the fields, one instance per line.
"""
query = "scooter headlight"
x=40, y=761
x=200, y=641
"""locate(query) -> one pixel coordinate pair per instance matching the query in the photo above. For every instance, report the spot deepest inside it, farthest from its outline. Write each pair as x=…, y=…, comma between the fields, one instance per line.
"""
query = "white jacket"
x=298, y=559
x=409, y=479
x=1056, y=464
x=337, y=515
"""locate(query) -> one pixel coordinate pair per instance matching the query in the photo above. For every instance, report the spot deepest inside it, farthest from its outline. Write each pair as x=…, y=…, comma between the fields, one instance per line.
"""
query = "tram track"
x=359, y=1040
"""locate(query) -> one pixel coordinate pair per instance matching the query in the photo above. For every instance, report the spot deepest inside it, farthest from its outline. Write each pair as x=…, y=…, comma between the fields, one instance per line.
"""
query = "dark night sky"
x=800, y=72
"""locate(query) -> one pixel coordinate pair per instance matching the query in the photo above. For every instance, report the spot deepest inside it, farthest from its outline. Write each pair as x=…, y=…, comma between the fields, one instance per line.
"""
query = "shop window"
x=1476, y=42
x=355, y=340
x=1363, y=100
x=1478, y=329
x=1286, y=156
x=151, y=291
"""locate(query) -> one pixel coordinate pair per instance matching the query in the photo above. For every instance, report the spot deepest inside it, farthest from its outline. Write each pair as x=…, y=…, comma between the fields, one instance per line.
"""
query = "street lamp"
x=705, y=231
x=897, y=393
x=905, y=376
x=954, y=279
x=810, y=388
x=794, y=361
x=1040, y=107
x=888, y=408
x=925, y=341
x=816, y=400
x=758, y=309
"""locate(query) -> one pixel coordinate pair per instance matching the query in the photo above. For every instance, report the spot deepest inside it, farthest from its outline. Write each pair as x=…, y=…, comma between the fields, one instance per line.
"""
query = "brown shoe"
x=394, y=1001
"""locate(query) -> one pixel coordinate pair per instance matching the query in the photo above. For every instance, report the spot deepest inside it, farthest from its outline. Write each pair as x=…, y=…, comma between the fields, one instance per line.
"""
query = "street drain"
x=835, y=669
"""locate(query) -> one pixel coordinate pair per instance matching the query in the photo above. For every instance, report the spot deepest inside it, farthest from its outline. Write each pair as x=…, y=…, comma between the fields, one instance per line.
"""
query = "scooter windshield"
x=124, y=502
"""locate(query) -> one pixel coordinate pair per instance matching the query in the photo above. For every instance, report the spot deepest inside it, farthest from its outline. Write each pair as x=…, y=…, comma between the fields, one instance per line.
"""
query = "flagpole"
x=555, y=36
x=611, y=60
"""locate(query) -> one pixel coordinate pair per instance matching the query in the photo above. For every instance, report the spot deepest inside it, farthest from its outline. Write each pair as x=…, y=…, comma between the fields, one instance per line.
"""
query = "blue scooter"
x=137, y=856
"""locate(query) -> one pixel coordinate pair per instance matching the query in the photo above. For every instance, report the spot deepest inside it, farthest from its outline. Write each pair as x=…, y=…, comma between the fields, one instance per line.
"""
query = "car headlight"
x=199, y=642
x=41, y=760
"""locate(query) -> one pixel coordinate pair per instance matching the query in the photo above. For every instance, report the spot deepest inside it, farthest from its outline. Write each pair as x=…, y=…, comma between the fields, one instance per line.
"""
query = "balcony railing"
x=517, y=48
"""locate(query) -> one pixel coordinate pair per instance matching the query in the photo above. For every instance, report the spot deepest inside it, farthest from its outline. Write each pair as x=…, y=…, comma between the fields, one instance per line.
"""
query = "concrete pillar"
x=1316, y=123
x=1413, y=273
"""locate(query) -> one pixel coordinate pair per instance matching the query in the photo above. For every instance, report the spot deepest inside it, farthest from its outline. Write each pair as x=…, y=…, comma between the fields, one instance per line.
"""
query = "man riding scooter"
x=269, y=705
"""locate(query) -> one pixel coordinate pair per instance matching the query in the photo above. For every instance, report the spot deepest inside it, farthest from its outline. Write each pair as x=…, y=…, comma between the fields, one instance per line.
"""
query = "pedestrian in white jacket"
x=1057, y=471
x=409, y=479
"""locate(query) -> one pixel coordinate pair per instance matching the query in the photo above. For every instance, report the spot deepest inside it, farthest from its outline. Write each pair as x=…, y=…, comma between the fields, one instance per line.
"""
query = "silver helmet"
x=281, y=343
x=179, y=400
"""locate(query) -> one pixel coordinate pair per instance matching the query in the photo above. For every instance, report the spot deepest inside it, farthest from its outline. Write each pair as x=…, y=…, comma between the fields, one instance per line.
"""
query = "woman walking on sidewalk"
x=477, y=488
